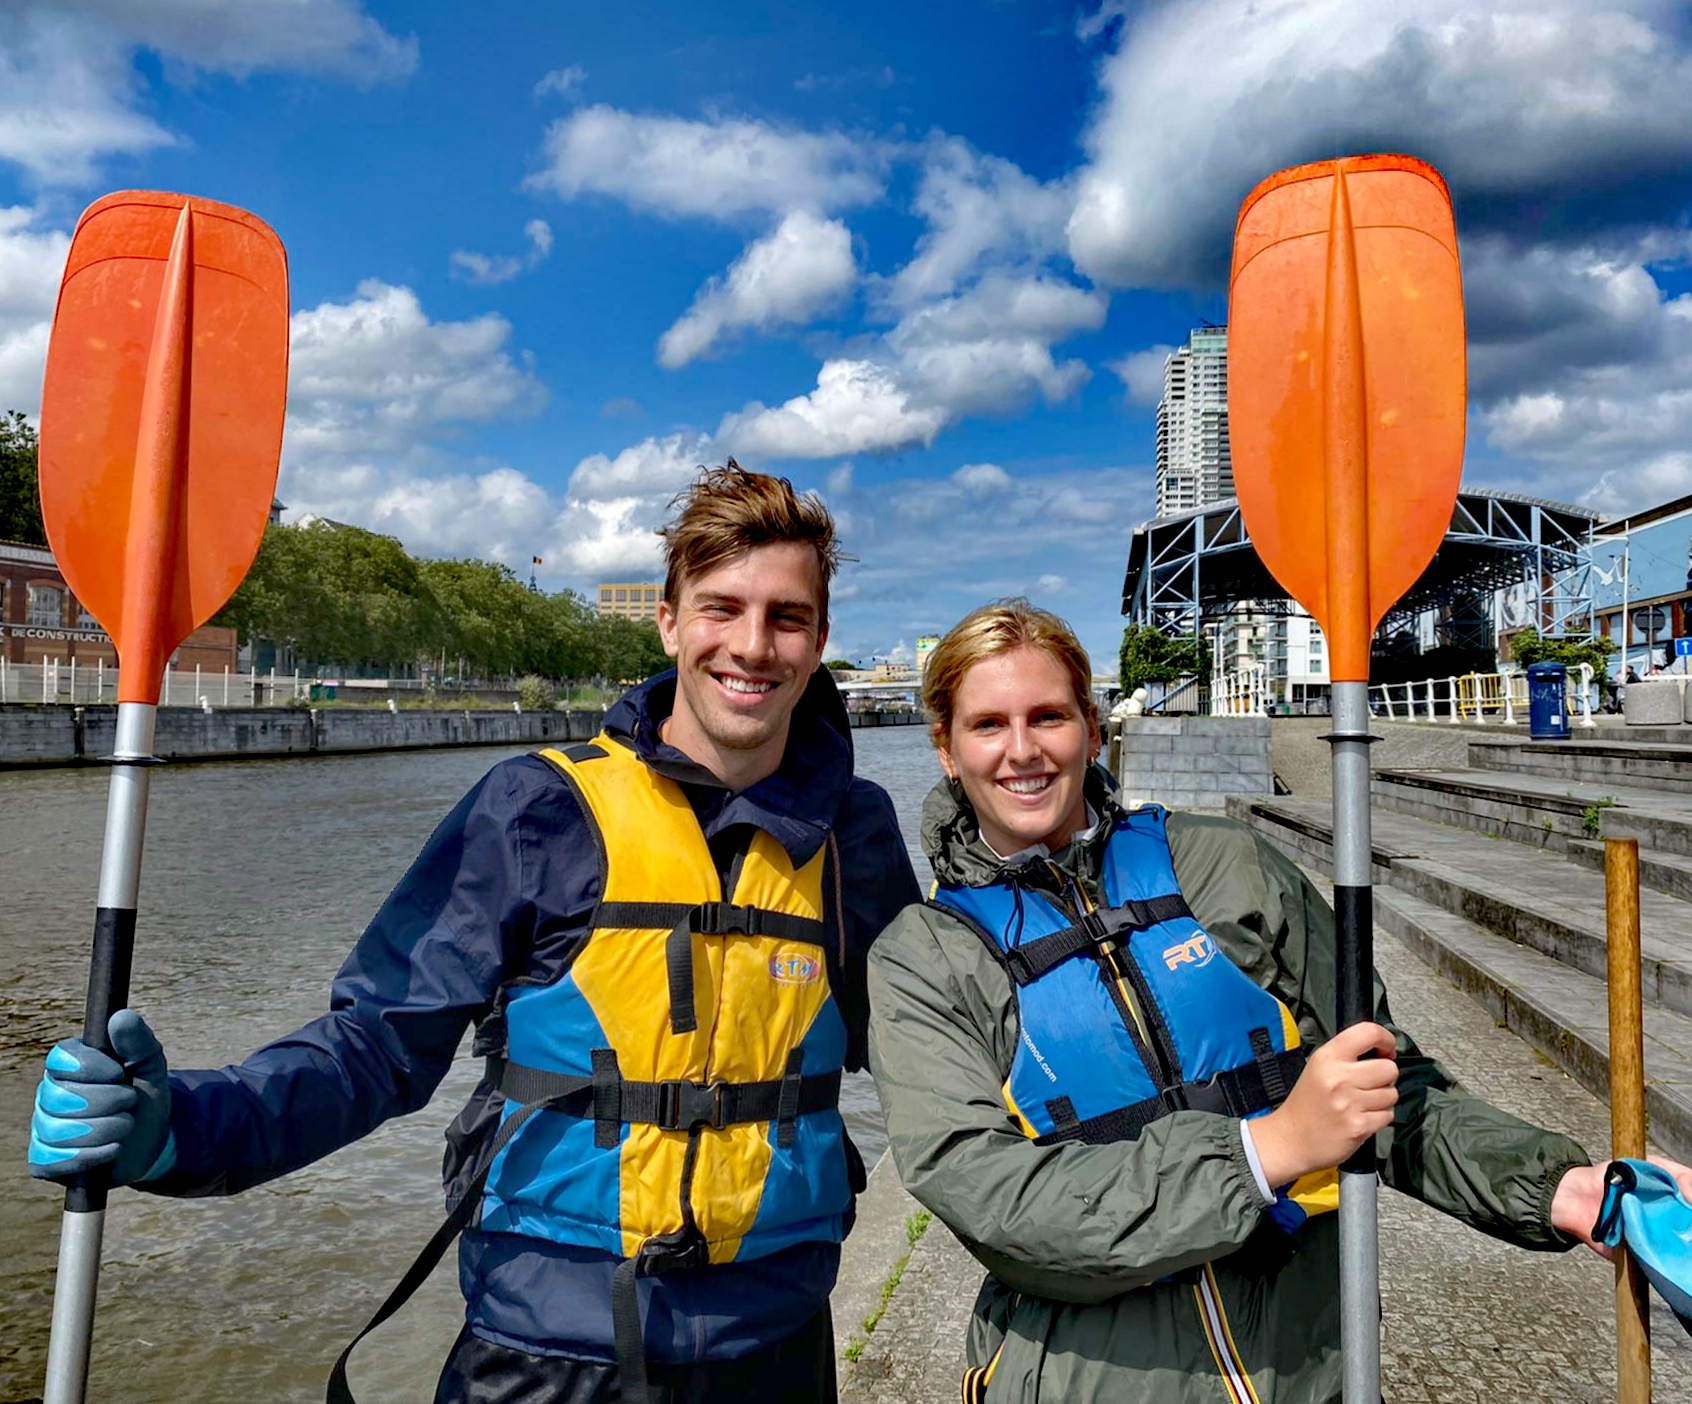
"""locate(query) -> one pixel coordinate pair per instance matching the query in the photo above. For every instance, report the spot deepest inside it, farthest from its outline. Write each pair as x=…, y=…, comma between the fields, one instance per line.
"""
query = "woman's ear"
x=951, y=771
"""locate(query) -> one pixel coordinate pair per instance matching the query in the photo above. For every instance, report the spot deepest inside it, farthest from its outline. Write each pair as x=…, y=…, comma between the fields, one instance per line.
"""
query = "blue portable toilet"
x=1548, y=710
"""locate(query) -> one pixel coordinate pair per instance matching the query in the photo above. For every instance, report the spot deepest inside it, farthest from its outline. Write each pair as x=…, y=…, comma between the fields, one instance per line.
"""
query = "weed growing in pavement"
x=915, y=1226
x=1589, y=815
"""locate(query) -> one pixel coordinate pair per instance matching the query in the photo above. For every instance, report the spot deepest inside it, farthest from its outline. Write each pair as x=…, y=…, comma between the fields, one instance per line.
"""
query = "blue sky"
x=926, y=259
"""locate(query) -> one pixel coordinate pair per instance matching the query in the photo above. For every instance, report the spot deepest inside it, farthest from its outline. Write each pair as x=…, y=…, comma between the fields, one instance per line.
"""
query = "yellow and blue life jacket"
x=1130, y=1011
x=688, y=1061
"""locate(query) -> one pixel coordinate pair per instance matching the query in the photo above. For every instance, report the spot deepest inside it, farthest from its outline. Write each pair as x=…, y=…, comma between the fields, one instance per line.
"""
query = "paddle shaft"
x=1627, y=1102
x=1360, y=1313
x=82, y=1231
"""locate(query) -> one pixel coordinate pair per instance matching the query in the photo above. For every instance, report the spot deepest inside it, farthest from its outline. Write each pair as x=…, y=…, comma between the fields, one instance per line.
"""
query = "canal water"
x=258, y=878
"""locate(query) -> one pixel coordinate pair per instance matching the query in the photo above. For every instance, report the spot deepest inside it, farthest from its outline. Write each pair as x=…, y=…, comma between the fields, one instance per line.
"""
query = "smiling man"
x=660, y=936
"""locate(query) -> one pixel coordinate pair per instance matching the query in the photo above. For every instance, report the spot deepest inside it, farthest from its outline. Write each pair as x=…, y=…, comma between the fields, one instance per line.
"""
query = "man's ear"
x=668, y=635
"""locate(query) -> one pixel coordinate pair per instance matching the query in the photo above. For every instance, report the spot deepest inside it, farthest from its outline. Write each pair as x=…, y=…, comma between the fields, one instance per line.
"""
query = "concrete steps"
x=1520, y=925
x=1559, y=1011
x=1667, y=769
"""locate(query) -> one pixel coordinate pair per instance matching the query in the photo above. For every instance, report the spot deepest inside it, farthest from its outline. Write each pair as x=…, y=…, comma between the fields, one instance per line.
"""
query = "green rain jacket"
x=1094, y=1251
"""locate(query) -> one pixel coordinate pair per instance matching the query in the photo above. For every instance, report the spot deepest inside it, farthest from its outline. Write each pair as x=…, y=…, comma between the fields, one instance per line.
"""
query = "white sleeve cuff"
x=1256, y=1164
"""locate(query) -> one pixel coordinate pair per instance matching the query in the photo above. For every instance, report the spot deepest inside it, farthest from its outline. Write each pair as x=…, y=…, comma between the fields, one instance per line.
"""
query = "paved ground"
x=1466, y=1320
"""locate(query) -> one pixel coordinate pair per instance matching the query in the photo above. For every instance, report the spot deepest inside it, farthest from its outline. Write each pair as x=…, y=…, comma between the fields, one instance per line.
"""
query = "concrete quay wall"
x=47, y=736
x=1192, y=762
x=32, y=735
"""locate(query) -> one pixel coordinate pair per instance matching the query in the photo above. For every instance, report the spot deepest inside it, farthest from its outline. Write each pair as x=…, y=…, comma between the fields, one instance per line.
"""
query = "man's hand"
x=93, y=1110
x=1580, y=1193
x=1341, y=1099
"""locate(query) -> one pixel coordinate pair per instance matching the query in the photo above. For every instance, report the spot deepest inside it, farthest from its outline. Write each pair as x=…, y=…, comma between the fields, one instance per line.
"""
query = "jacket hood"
x=951, y=837
x=797, y=805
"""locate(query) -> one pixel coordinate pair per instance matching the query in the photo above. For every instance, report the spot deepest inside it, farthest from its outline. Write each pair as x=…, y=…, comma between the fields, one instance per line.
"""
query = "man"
x=661, y=938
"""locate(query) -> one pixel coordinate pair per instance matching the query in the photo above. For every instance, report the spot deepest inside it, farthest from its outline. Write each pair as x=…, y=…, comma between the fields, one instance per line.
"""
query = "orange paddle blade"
x=161, y=417
x=1347, y=385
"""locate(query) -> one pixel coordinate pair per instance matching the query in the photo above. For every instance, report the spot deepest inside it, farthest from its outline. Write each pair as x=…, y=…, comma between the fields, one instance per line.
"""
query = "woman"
x=1090, y=1048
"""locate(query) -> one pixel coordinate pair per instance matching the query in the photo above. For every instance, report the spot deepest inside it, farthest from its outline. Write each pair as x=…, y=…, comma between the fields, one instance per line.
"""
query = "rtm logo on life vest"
x=1198, y=951
x=795, y=968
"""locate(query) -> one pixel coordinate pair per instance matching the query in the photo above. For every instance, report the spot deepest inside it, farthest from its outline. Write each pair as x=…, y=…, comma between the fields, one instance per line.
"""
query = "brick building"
x=42, y=621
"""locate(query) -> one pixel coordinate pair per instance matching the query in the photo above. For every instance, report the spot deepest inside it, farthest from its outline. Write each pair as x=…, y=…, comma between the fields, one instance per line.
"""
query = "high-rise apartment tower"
x=1194, y=467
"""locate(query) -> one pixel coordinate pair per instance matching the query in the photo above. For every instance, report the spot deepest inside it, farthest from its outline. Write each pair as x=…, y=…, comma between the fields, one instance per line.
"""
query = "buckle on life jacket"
x=725, y=919
x=682, y=1106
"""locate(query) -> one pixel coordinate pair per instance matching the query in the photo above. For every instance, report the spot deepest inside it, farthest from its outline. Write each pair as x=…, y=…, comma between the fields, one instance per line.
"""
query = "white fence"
x=1243, y=693
x=1477, y=697
x=67, y=683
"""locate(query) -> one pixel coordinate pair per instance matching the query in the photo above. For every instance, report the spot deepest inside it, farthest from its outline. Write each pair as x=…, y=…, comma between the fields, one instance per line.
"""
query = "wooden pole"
x=1627, y=1103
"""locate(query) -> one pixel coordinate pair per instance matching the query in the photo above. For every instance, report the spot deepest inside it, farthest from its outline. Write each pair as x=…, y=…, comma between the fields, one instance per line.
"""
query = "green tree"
x=1530, y=647
x=1149, y=655
x=841, y=665
x=20, y=493
x=628, y=650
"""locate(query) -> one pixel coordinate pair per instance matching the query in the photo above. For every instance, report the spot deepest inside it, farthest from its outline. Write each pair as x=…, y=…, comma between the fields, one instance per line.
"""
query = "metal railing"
x=1241, y=693
x=1477, y=697
x=71, y=684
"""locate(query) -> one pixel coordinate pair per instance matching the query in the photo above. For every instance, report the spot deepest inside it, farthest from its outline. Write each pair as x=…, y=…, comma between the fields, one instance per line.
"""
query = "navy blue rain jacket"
x=502, y=892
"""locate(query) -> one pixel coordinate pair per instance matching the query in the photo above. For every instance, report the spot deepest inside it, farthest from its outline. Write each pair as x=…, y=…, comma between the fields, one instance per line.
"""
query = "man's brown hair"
x=729, y=511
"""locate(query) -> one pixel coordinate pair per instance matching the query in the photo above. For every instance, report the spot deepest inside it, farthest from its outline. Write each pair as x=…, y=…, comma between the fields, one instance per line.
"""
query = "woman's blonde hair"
x=999, y=628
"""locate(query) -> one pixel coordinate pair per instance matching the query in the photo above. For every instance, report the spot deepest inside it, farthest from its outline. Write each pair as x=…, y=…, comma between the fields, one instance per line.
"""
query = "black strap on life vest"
x=459, y=1215
x=675, y=1105
x=1257, y=1086
x=1108, y=926
x=687, y=920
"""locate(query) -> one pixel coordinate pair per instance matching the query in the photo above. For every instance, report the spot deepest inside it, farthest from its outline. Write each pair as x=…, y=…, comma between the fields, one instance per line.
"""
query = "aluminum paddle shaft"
x=1360, y=1302
x=83, y=1229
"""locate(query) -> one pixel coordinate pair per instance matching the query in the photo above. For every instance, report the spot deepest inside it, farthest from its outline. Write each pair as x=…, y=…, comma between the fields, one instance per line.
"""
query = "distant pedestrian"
x=1107, y=1056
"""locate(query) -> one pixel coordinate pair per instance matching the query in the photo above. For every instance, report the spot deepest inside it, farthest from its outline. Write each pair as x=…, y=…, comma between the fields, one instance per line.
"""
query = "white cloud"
x=31, y=263
x=653, y=467
x=989, y=349
x=1538, y=115
x=562, y=81
x=979, y=210
x=1141, y=373
x=796, y=273
x=1051, y=585
x=841, y=480
x=498, y=514
x=721, y=170
x=982, y=478
x=858, y=407
x=70, y=94
x=502, y=268
x=376, y=375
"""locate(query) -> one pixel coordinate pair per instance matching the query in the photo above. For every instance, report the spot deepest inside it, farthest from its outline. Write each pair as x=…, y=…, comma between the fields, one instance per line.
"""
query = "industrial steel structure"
x=1531, y=557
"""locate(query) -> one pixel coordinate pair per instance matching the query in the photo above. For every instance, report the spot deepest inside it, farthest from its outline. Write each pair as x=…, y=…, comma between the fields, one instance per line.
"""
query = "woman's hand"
x=1580, y=1194
x=1341, y=1099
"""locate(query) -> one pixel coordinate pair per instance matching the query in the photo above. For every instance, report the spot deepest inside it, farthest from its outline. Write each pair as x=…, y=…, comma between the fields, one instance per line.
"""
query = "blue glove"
x=1644, y=1210
x=92, y=1110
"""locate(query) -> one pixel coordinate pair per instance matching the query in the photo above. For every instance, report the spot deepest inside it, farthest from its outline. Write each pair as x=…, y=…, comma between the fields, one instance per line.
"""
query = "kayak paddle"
x=161, y=429
x=1346, y=399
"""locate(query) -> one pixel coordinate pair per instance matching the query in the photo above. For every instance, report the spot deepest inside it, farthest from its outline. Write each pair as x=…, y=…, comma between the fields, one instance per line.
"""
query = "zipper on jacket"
x=1221, y=1337
x=1128, y=991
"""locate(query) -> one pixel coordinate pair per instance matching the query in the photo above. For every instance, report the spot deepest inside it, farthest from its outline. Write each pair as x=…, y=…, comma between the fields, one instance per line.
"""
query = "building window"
x=46, y=607
x=622, y=596
x=652, y=594
x=85, y=620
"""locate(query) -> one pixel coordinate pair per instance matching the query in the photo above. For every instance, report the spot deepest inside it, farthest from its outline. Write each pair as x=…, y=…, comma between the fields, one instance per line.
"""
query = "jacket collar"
x=796, y=805
x=951, y=837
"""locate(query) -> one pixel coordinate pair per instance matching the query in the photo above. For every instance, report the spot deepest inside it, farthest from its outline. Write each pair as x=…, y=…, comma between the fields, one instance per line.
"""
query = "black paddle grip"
x=1354, y=979
x=108, y=991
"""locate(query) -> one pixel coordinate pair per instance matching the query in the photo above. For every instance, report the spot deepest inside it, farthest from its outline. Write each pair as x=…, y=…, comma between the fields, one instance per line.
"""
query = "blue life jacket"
x=1130, y=1011
x=686, y=1067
